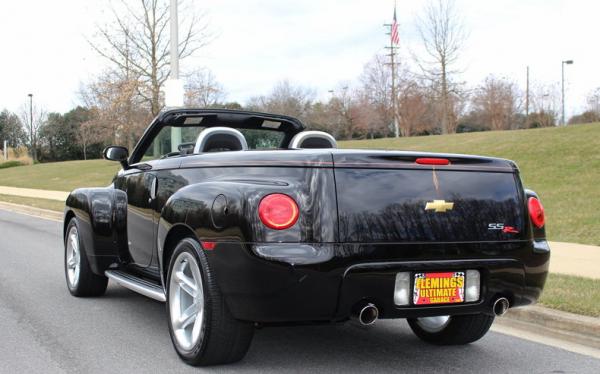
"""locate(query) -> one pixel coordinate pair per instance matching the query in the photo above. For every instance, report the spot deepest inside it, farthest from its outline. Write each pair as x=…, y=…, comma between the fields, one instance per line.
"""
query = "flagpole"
x=394, y=105
x=392, y=54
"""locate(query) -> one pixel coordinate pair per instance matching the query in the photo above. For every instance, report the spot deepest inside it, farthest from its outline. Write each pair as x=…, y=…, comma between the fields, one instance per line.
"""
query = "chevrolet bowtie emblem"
x=439, y=206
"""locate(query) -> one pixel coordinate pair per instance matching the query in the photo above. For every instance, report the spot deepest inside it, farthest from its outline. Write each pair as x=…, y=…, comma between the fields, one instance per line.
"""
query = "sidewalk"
x=567, y=258
x=39, y=194
x=575, y=259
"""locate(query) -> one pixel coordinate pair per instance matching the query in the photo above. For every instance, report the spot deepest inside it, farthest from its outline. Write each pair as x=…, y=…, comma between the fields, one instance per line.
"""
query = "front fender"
x=101, y=215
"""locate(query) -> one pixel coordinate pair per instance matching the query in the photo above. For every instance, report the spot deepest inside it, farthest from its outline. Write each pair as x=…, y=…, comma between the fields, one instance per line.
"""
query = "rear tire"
x=455, y=330
x=202, y=329
x=81, y=281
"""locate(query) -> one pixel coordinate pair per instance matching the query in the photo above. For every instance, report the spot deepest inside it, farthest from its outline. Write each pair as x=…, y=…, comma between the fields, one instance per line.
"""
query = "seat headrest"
x=216, y=139
x=313, y=139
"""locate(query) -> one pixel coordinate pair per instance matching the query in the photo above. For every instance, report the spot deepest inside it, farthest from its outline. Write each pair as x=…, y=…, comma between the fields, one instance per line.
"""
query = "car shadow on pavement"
x=348, y=347
x=388, y=346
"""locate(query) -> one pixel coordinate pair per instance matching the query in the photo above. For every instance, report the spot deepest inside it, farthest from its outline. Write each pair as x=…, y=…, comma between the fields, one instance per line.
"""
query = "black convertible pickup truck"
x=237, y=219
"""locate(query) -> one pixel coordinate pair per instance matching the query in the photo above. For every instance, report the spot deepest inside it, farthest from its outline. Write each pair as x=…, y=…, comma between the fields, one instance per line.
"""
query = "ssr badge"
x=502, y=227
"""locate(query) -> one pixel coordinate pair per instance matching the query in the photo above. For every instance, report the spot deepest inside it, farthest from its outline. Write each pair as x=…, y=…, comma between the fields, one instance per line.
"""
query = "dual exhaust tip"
x=367, y=314
x=501, y=306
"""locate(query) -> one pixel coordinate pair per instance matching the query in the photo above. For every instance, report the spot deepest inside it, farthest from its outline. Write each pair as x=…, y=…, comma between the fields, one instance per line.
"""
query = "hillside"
x=561, y=164
x=60, y=176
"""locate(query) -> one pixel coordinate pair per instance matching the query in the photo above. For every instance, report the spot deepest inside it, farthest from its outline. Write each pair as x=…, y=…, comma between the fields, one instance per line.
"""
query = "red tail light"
x=209, y=246
x=432, y=161
x=536, y=212
x=278, y=211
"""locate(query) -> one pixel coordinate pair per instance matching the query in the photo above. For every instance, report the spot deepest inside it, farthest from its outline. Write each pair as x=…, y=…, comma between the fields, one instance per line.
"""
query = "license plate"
x=439, y=288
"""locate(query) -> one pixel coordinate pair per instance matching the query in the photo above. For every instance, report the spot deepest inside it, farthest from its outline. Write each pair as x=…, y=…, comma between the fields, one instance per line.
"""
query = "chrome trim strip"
x=441, y=263
x=138, y=286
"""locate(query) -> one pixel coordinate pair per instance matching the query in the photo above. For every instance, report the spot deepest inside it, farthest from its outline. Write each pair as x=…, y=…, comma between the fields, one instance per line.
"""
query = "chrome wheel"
x=73, y=257
x=433, y=324
x=186, y=301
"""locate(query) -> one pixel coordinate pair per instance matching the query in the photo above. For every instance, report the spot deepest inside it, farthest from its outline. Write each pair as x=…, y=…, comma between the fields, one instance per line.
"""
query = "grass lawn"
x=560, y=164
x=572, y=294
x=37, y=203
x=60, y=176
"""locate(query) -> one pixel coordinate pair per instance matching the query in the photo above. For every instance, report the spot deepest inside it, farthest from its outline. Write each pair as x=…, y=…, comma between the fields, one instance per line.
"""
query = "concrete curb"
x=570, y=327
x=32, y=211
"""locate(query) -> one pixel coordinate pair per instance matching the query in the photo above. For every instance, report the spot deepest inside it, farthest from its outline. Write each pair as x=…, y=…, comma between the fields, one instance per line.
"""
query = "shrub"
x=10, y=164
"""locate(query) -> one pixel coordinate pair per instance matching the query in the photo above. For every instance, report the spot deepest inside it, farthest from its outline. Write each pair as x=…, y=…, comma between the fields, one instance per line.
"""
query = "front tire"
x=81, y=281
x=202, y=329
x=451, y=330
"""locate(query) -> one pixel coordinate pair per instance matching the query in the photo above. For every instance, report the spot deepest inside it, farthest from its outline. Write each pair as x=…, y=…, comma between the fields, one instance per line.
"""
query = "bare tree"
x=33, y=126
x=442, y=36
x=344, y=108
x=366, y=117
x=376, y=83
x=120, y=114
x=285, y=98
x=90, y=132
x=11, y=129
x=412, y=98
x=593, y=101
x=137, y=43
x=412, y=104
x=202, y=89
x=545, y=101
x=498, y=102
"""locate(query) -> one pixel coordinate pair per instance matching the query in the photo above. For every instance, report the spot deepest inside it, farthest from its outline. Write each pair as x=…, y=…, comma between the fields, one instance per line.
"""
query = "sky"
x=320, y=44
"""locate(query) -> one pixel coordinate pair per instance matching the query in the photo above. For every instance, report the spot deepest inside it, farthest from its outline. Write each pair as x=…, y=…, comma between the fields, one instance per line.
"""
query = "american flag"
x=394, y=33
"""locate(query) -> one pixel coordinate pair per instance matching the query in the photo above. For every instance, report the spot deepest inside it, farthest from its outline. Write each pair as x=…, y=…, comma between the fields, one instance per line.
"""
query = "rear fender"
x=209, y=211
x=227, y=212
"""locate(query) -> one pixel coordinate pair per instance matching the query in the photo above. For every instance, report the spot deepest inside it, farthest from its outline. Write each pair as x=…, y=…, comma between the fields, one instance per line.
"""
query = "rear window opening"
x=164, y=147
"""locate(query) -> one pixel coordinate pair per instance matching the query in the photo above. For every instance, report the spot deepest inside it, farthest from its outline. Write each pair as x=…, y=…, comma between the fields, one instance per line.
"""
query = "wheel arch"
x=69, y=215
x=175, y=234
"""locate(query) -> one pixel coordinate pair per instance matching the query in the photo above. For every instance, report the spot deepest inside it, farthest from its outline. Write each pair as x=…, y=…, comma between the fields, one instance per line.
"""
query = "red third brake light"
x=432, y=161
x=278, y=211
x=536, y=212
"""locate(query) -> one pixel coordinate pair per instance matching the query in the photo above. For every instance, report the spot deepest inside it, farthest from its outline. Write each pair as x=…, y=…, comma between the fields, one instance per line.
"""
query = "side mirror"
x=116, y=153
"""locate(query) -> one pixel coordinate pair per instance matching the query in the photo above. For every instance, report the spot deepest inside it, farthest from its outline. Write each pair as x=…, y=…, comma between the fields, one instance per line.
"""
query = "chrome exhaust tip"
x=367, y=315
x=501, y=306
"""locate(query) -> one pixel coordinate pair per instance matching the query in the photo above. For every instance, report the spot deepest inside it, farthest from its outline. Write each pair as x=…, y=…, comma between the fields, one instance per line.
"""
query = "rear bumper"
x=273, y=292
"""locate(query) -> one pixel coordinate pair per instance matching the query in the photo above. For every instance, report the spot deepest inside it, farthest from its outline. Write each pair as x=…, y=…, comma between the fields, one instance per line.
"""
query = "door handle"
x=153, y=190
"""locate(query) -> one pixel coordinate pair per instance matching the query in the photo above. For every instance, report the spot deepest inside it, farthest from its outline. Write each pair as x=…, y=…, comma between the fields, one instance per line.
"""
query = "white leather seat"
x=217, y=139
x=313, y=139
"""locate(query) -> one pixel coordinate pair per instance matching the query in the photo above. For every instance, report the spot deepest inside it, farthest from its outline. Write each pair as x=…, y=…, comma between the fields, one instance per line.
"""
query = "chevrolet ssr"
x=236, y=219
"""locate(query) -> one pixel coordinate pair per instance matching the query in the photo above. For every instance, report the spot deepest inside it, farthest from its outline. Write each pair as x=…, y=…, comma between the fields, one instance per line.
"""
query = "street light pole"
x=527, y=100
x=174, y=94
x=174, y=44
x=568, y=62
x=32, y=136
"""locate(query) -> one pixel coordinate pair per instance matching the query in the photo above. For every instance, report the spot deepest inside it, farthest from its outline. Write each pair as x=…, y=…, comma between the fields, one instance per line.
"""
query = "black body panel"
x=265, y=291
x=386, y=205
x=366, y=207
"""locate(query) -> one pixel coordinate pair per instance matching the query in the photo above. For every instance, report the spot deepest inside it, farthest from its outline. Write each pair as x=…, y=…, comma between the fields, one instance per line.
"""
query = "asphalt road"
x=44, y=329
